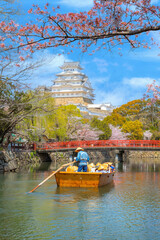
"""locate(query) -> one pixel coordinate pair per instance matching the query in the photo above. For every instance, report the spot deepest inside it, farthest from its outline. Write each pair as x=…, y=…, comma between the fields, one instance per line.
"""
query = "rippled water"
x=128, y=208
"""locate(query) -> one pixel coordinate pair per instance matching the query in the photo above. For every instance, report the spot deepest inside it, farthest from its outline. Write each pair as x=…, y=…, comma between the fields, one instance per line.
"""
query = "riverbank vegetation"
x=136, y=120
x=32, y=116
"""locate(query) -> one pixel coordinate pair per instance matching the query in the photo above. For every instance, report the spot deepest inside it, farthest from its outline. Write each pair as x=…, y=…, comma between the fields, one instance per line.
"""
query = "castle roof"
x=71, y=65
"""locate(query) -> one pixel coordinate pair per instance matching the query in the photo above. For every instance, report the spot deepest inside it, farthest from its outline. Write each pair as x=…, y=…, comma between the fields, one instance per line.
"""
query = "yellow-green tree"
x=103, y=127
x=115, y=119
x=53, y=123
x=132, y=109
x=33, y=127
x=134, y=128
x=65, y=122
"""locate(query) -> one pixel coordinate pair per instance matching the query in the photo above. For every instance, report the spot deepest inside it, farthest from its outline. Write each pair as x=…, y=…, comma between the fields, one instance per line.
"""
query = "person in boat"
x=82, y=159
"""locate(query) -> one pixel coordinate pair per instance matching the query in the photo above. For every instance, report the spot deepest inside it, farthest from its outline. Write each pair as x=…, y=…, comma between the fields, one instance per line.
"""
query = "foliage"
x=156, y=135
x=148, y=114
x=132, y=109
x=65, y=122
x=115, y=119
x=40, y=120
x=134, y=128
x=95, y=123
x=85, y=132
x=152, y=98
x=106, y=131
x=6, y=8
x=102, y=126
x=117, y=134
x=111, y=23
x=147, y=135
x=58, y=123
x=153, y=93
x=15, y=106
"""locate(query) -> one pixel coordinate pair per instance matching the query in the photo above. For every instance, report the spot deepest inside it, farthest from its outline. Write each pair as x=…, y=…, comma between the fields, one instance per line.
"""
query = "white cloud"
x=77, y=3
x=98, y=80
x=118, y=96
x=149, y=54
x=146, y=55
x=154, y=1
x=128, y=66
x=137, y=82
x=101, y=65
x=115, y=64
x=44, y=74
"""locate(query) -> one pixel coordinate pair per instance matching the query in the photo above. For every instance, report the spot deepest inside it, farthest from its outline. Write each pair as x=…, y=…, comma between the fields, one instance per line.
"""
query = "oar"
x=64, y=165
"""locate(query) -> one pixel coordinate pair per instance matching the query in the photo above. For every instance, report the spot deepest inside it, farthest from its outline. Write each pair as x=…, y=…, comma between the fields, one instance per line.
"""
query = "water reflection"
x=44, y=166
x=81, y=194
x=135, y=166
x=127, y=209
x=140, y=165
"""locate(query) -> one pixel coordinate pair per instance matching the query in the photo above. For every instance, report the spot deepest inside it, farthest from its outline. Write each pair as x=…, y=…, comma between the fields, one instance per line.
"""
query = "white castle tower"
x=72, y=86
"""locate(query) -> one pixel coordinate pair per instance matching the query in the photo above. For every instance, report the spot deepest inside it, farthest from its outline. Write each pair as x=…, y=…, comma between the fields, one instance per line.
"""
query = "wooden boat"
x=83, y=179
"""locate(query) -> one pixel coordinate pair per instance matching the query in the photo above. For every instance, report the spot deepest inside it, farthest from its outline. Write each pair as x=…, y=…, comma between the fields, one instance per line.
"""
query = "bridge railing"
x=18, y=146
x=100, y=143
x=86, y=144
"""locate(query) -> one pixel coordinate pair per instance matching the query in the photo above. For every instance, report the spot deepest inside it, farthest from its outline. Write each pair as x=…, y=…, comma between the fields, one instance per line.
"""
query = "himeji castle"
x=72, y=86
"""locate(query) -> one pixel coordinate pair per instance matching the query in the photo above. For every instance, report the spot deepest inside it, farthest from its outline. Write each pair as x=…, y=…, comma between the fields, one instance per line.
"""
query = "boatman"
x=82, y=158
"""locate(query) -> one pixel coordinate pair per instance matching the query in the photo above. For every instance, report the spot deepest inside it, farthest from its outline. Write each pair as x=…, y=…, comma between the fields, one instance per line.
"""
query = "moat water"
x=127, y=209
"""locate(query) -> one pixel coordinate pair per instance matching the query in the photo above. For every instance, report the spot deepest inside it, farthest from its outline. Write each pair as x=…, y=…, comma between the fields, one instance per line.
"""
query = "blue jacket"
x=82, y=158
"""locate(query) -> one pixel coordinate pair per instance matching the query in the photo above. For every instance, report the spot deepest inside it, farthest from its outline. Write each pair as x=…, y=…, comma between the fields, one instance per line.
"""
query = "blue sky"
x=115, y=79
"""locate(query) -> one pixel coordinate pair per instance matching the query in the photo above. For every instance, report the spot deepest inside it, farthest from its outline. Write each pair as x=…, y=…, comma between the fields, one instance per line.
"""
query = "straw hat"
x=92, y=165
x=110, y=163
x=79, y=149
x=101, y=167
x=105, y=165
x=72, y=169
x=98, y=164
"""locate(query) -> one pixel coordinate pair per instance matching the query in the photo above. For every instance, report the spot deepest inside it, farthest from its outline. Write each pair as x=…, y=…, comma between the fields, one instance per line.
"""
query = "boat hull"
x=83, y=179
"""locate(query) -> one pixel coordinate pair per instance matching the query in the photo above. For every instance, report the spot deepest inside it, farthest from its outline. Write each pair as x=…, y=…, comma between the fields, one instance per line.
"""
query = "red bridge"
x=116, y=144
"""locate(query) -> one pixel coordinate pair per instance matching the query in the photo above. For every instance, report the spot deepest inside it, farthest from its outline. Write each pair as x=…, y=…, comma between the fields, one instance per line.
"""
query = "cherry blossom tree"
x=109, y=23
x=153, y=93
x=6, y=8
x=85, y=132
x=117, y=134
x=152, y=97
x=147, y=135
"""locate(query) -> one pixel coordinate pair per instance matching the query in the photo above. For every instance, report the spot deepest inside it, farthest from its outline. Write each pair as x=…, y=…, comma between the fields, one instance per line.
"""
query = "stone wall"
x=99, y=111
x=74, y=100
x=103, y=155
x=141, y=156
x=60, y=158
x=16, y=161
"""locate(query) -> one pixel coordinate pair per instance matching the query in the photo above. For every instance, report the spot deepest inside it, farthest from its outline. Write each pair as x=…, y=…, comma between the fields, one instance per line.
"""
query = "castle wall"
x=65, y=101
